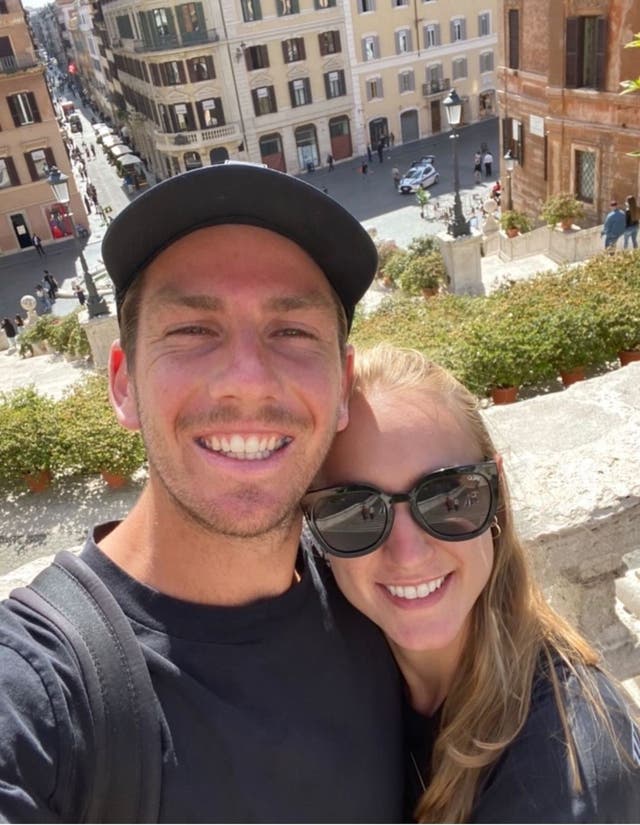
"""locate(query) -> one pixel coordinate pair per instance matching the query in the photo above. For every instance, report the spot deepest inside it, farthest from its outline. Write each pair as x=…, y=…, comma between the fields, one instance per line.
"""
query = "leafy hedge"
x=525, y=332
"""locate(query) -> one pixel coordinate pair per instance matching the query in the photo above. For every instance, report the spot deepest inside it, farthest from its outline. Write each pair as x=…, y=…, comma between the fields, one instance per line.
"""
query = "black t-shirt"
x=285, y=710
x=531, y=782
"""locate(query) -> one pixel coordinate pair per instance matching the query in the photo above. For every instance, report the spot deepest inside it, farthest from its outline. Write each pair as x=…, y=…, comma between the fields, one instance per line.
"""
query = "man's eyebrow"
x=291, y=303
x=175, y=297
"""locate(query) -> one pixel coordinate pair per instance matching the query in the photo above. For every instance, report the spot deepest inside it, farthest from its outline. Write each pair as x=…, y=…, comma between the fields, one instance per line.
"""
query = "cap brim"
x=240, y=193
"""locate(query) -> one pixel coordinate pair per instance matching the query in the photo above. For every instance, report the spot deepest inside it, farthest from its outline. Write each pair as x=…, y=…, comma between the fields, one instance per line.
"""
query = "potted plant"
x=394, y=267
x=514, y=223
x=28, y=439
x=386, y=250
x=423, y=274
x=92, y=441
x=34, y=336
x=423, y=197
x=563, y=208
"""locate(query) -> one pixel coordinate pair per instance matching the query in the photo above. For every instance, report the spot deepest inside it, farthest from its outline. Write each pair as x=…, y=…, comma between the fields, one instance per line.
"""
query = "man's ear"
x=121, y=389
x=347, y=384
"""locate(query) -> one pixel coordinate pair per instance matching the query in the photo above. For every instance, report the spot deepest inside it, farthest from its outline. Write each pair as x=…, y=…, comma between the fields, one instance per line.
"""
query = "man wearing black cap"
x=235, y=288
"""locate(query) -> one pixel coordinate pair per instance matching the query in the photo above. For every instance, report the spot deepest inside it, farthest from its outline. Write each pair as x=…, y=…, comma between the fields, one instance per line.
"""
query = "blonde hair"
x=512, y=627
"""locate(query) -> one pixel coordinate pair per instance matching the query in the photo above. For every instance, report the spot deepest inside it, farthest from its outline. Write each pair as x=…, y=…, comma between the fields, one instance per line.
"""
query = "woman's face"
x=392, y=440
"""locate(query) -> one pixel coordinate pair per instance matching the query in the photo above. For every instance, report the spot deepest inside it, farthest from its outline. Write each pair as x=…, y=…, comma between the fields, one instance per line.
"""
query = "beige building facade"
x=30, y=143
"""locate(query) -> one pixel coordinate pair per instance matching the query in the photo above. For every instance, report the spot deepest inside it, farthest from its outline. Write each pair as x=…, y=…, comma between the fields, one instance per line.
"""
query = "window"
x=172, y=73
x=513, y=138
x=334, y=84
x=434, y=77
x=124, y=26
x=8, y=176
x=287, y=7
x=300, y=92
x=370, y=48
x=585, y=176
x=201, y=68
x=459, y=68
x=431, y=35
x=251, y=10
x=160, y=21
x=190, y=17
x=397, y=4
x=403, y=41
x=486, y=62
x=24, y=109
x=374, y=88
x=586, y=45
x=192, y=160
x=210, y=113
x=458, y=29
x=4, y=9
x=293, y=50
x=484, y=24
x=406, y=82
x=39, y=161
x=329, y=43
x=256, y=57
x=366, y=5
x=323, y=4
x=270, y=145
x=513, y=23
x=264, y=100
x=182, y=119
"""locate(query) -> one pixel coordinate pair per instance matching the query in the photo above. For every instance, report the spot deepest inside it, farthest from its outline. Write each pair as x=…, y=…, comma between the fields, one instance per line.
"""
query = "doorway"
x=436, y=117
x=409, y=126
x=378, y=131
x=20, y=228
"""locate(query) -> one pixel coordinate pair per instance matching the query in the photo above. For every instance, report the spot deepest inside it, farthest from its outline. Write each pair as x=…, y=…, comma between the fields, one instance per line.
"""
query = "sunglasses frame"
x=488, y=469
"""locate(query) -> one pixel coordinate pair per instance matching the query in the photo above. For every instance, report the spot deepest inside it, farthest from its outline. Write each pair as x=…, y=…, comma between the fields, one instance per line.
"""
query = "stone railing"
x=562, y=246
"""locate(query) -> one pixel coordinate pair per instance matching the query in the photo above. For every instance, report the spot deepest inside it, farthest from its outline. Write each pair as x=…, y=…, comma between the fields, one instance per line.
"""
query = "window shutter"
x=34, y=107
x=397, y=38
x=155, y=74
x=191, y=121
x=11, y=171
x=521, y=144
x=15, y=112
x=307, y=90
x=514, y=39
x=303, y=53
x=193, y=73
x=601, y=53
x=452, y=31
x=409, y=41
x=327, y=88
x=264, y=57
x=506, y=135
x=256, y=105
x=292, y=94
x=33, y=172
x=285, y=51
x=200, y=112
x=171, y=23
x=463, y=29
x=220, y=112
x=571, y=53
x=181, y=72
x=272, y=99
x=51, y=161
x=437, y=35
x=364, y=49
x=376, y=46
x=369, y=90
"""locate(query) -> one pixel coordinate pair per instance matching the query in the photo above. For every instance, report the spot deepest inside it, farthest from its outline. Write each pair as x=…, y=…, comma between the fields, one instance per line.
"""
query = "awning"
x=118, y=150
x=129, y=160
x=111, y=140
x=102, y=129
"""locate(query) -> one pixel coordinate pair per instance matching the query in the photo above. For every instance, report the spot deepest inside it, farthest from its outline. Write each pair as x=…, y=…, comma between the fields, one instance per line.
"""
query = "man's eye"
x=191, y=330
x=294, y=332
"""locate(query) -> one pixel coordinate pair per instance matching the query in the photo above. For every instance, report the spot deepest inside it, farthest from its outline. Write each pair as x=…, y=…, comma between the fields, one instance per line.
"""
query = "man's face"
x=238, y=385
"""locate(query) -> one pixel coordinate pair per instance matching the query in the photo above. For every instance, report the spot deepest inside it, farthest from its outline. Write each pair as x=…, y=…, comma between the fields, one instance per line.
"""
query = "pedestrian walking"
x=369, y=153
x=9, y=331
x=364, y=168
x=93, y=150
x=381, y=150
x=477, y=167
x=392, y=139
x=42, y=299
x=19, y=325
x=52, y=285
x=395, y=174
x=488, y=164
x=37, y=242
x=632, y=215
x=614, y=226
x=330, y=161
x=87, y=204
x=79, y=293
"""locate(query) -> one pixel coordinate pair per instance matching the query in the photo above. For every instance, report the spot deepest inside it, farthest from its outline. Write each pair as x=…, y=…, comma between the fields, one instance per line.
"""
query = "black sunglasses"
x=453, y=504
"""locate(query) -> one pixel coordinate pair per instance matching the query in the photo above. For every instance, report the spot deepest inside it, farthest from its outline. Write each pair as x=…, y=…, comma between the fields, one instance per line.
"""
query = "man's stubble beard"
x=207, y=517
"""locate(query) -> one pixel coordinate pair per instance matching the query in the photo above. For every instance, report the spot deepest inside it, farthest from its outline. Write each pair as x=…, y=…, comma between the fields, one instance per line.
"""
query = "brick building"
x=559, y=99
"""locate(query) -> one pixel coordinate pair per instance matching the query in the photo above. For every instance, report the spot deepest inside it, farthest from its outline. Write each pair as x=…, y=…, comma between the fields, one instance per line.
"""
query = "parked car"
x=423, y=175
x=75, y=124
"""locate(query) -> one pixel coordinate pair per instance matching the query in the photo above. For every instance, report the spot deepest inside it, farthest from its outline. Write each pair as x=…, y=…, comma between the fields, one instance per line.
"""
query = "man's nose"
x=247, y=369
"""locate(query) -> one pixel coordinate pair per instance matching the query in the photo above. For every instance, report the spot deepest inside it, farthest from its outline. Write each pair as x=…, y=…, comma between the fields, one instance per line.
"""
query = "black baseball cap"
x=249, y=194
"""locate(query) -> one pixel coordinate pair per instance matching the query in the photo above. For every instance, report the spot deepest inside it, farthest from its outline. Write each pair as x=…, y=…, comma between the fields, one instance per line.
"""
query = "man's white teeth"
x=416, y=592
x=251, y=447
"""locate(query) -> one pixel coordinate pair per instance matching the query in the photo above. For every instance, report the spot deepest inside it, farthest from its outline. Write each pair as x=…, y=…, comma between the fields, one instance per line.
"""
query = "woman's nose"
x=408, y=544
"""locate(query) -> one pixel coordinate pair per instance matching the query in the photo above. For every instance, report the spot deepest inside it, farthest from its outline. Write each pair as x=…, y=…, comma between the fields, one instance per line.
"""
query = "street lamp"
x=59, y=183
x=453, y=107
x=509, y=165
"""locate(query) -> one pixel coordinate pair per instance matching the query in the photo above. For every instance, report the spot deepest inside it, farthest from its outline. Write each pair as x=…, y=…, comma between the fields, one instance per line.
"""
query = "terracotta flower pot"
x=114, y=480
x=566, y=224
x=38, y=482
x=626, y=356
x=429, y=292
x=512, y=232
x=570, y=377
x=504, y=395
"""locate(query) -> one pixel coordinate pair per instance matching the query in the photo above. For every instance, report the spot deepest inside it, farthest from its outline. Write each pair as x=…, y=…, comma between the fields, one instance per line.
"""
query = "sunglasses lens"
x=350, y=521
x=456, y=505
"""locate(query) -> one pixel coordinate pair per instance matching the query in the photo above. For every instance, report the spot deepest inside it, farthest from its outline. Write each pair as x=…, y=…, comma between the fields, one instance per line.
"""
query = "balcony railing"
x=18, y=63
x=436, y=87
x=190, y=140
x=176, y=41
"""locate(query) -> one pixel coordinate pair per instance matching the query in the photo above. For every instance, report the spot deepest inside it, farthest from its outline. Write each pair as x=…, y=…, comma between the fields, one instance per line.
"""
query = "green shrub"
x=561, y=207
x=423, y=272
x=29, y=435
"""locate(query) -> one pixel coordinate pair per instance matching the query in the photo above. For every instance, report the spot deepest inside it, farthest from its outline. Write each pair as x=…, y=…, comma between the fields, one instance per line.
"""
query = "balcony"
x=166, y=141
x=18, y=63
x=184, y=40
x=436, y=87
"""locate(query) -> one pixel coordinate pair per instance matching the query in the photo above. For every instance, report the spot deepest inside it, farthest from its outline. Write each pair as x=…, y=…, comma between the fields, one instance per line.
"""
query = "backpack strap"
x=127, y=771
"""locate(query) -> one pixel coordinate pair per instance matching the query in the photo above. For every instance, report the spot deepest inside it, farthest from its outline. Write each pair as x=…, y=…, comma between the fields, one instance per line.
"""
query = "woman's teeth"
x=418, y=591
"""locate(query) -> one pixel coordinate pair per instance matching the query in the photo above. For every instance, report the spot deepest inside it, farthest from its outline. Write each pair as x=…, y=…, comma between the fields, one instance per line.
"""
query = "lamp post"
x=453, y=107
x=509, y=165
x=59, y=183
